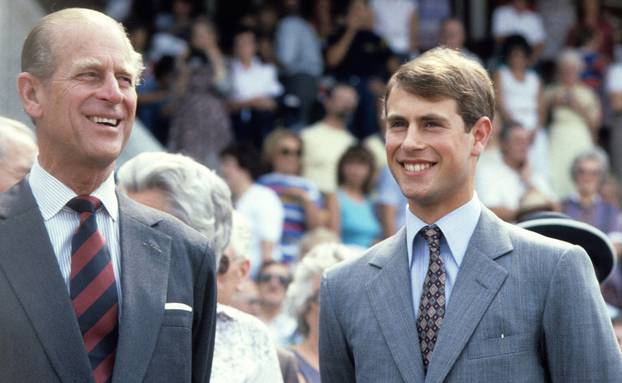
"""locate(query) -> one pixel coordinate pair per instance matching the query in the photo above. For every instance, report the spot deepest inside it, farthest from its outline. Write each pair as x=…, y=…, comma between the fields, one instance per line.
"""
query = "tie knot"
x=84, y=204
x=431, y=233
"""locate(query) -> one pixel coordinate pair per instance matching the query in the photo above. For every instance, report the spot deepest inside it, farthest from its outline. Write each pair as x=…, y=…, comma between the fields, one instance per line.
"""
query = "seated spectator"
x=18, y=149
x=430, y=16
x=575, y=120
x=272, y=282
x=358, y=56
x=244, y=349
x=501, y=186
x=395, y=21
x=304, y=304
x=590, y=15
x=516, y=18
x=453, y=36
x=314, y=238
x=254, y=88
x=200, y=127
x=357, y=220
x=589, y=171
x=299, y=54
x=326, y=140
x=301, y=199
x=239, y=165
x=182, y=187
x=519, y=98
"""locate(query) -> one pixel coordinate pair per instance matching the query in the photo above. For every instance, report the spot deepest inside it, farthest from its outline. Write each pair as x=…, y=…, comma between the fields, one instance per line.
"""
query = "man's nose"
x=110, y=90
x=414, y=139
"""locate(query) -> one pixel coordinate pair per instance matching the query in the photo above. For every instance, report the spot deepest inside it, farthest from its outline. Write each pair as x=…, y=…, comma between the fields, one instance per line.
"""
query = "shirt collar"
x=225, y=313
x=457, y=228
x=52, y=195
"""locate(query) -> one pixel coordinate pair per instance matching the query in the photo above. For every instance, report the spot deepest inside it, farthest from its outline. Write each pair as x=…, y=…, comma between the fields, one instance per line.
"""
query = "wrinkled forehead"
x=92, y=42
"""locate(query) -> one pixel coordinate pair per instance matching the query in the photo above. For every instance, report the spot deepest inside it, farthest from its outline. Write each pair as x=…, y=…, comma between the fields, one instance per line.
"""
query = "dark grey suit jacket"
x=524, y=308
x=162, y=260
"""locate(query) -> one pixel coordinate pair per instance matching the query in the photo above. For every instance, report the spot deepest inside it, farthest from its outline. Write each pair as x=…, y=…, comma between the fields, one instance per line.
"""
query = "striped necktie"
x=432, y=304
x=93, y=289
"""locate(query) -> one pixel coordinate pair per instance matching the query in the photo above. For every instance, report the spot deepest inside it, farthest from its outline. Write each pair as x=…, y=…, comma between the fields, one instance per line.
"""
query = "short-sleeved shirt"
x=294, y=224
x=507, y=21
x=262, y=207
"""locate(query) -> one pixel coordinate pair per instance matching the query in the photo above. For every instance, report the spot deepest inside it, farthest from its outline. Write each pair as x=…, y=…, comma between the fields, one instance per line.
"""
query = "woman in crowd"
x=300, y=197
x=239, y=165
x=589, y=172
x=575, y=120
x=303, y=302
x=520, y=97
x=200, y=127
x=357, y=221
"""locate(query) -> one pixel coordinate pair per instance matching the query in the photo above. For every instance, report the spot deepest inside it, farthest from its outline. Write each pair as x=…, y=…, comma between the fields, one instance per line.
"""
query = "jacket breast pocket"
x=500, y=346
x=177, y=318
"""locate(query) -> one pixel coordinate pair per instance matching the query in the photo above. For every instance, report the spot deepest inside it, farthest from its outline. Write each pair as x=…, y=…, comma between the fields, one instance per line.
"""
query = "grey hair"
x=241, y=236
x=594, y=153
x=300, y=292
x=14, y=133
x=40, y=49
x=196, y=195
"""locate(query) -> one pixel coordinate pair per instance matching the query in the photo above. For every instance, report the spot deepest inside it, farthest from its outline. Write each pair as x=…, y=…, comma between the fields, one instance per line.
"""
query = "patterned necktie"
x=93, y=289
x=432, y=304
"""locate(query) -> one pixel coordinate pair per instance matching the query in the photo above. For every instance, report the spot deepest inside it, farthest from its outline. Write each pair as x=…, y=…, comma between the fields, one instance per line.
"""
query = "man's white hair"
x=196, y=195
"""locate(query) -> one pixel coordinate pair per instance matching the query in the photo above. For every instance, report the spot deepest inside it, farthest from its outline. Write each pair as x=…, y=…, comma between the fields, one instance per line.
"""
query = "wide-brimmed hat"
x=560, y=226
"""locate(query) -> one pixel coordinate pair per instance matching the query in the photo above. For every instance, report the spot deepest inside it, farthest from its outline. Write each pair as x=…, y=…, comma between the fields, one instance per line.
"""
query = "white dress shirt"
x=457, y=228
x=62, y=222
x=244, y=352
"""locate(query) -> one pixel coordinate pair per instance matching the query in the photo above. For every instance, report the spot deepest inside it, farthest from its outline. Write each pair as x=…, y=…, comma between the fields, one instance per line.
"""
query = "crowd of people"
x=276, y=141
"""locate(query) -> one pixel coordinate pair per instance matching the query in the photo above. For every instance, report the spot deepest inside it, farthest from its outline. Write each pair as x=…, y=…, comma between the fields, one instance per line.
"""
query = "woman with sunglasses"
x=300, y=197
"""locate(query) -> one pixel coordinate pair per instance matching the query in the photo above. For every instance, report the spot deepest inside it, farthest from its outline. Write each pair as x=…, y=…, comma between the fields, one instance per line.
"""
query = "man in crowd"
x=502, y=185
x=458, y=295
x=94, y=287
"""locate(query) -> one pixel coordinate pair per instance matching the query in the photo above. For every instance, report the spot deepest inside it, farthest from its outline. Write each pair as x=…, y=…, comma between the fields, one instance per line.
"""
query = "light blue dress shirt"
x=457, y=228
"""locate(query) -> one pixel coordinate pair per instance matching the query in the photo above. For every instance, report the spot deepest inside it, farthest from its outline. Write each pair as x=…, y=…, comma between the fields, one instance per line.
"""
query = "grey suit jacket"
x=524, y=308
x=162, y=261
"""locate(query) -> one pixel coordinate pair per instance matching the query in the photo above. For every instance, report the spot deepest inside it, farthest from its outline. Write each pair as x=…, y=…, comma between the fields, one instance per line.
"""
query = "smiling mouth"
x=113, y=122
x=417, y=167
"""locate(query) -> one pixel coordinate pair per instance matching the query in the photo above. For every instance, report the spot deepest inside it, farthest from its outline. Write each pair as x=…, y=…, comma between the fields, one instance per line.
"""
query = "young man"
x=458, y=295
x=94, y=287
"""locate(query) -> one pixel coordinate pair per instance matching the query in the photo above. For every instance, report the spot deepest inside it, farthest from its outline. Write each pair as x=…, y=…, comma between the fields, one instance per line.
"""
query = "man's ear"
x=481, y=132
x=243, y=271
x=28, y=88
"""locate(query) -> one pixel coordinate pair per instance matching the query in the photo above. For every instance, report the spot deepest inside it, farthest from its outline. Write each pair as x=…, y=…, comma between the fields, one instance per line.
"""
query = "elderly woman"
x=303, y=302
x=575, y=120
x=178, y=185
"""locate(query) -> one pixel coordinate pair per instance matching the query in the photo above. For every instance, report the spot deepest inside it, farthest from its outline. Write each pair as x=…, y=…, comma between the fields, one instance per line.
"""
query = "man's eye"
x=397, y=124
x=126, y=81
x=88, y=75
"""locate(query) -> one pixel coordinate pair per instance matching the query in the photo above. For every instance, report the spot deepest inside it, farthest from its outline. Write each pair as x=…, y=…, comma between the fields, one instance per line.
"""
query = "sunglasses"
x=287, y=152
x=267, y=277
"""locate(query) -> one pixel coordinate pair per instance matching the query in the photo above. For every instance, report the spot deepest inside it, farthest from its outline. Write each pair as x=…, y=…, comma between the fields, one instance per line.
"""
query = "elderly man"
x=94, y=287
x=18, y=149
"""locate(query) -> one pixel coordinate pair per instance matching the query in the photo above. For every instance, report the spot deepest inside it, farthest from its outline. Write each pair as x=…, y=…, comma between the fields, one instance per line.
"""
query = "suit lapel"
x=391, y=300
x=145, y=261
x=477, y=283
x=32, y=270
